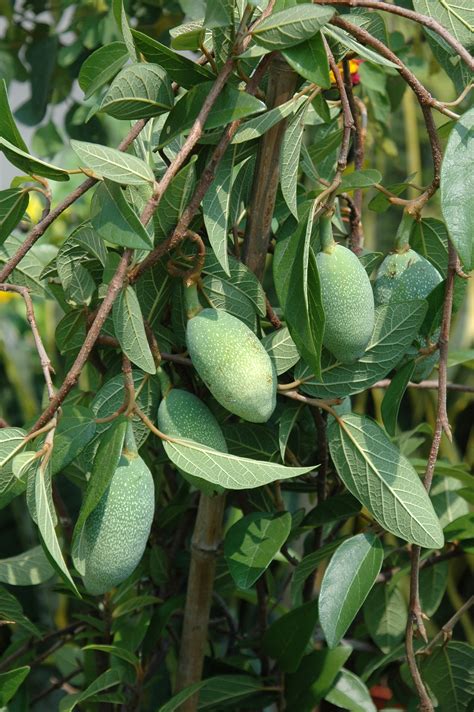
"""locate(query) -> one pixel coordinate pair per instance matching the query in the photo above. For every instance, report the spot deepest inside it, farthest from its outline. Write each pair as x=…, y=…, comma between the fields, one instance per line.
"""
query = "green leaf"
x=115, y=221
x=8, y=128
x=108, y=679
x=314, y=678
x=350, y=693
x=385, y=615
x=456, y=16
x=290, y=158
x=174, y=200
x=75, y=429
x=140, y=91
x=26, y=569
x=219, y=13
x=310, y=61
x=226, y=470
x=347, y=41
x=136, y=603
x=393, y=396
x=286, y=423
x=282, y=349
x=71, y=331
x=174, y=704
x=81, y=287
x=449, y=674
x=215, y=207
x=11, y=440
x=105, y=463
x=252, y=440
x=124, y=28
x=116, y=651
x=461, y=528
x=101, y=66
x=153, y=292
x=429, y=238
x=347, y=581
x=383, y=480
x=303, y=309
x=231, y=104
x=359, y=179
x=12, y=612
x=457, y=187
x=46, y=521
x=291, y=27
x=130, y=330
x=13, y=204
x=10, y=682
x=286, y=639
x=396, y=325
x=185, y=72
x=218, y=692
x=308, y=564
x=113, y=164
x=29, y=164
x=333, y=509
x=433, y=582
x=254, y=128
x=251, y=544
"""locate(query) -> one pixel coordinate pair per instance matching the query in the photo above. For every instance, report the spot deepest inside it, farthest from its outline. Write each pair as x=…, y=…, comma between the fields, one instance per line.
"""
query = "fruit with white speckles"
x=403, y=276
x=348, y=303
x=233, y=364
x=116, y=532
x=182, y=414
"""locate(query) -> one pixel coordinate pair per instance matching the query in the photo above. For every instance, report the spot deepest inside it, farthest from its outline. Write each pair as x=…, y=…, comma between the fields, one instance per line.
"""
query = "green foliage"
x=199, y=506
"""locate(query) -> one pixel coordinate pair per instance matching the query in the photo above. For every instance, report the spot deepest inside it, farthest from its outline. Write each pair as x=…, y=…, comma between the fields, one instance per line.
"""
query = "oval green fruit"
x=182, y=414
x=233, y=364
x=348, y=303
x=403, y=276
x=116, y=532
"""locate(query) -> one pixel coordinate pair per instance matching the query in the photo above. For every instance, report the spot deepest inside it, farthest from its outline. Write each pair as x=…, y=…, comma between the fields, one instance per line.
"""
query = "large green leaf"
x=113, y=164
x=256, y=127
x=115, y=220
x=314, y=678
x=286, y=639
x=282, y=349
x=174, y=200
x=75, y=429
x=218, y=692
x=350, y=693
x=251, y=544
x=385, y=615
x=347, y=581
x=130, y=330
x=457, y=188
x=29, y=164
x=303, y=308
x=8, y=128
x=383, y=480
x=121, y=19
x=226, y=470
x=292, y=26
x=429, y=238
x=215, y=207
x=258, y=442
x=286, y=422
x=108, y=679
x=231, y=104
x=13, y=203
x=105, y=463
x=396, y=325
x=153, y=292
x=310, y=60
x=11, y=440
x=290, y=158
x=26, y=569
x=10, y=682
x=11, y=611
x=449, y=674
x=140, y=91
x=185, y=72
x=433, y=582
x=455, y=15
x=351, y=45
x=393, y=396
x=101, y=66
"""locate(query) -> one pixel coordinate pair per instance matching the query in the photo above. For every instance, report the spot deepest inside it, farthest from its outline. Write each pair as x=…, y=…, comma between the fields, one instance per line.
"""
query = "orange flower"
x=353, y=68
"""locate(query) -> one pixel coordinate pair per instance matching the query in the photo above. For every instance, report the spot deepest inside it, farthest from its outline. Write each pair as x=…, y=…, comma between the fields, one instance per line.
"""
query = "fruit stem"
x=402, y=238
x=165, y=382
x=130, y=449
x=191, y=300
x=325, y=233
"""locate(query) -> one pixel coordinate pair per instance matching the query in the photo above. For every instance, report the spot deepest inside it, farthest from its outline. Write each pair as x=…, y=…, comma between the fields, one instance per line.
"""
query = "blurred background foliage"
x=42, y=47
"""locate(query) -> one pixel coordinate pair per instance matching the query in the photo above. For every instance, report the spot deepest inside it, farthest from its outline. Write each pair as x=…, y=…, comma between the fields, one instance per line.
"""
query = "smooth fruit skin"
x=116, y=533
x=348, y=303
x=182, y=414
x=233, y=364
x=405, y=276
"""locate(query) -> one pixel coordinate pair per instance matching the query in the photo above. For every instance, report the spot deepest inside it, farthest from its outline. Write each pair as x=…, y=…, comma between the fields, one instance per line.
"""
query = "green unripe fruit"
x=348, y=303
x=116, y=532
x=182, y=414
x=233, y=364
x=403, y=276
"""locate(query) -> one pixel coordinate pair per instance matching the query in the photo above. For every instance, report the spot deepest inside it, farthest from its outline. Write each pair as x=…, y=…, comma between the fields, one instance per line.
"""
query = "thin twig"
x=428, y=385
x=446, y=630
x=425, y=20
x=357, y=236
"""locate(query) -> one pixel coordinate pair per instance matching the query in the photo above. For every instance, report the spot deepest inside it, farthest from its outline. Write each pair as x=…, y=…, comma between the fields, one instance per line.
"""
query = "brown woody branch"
x=428, y=385
x=446, y=630
x=424, y=20
x=415, y=615
x=30, y=315
x=425, y=100
x=357, y=236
